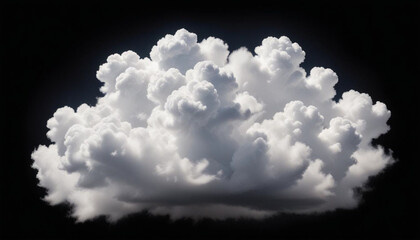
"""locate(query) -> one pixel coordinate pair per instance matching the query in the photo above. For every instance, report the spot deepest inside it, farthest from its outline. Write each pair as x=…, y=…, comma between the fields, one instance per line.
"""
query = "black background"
x=50, y=53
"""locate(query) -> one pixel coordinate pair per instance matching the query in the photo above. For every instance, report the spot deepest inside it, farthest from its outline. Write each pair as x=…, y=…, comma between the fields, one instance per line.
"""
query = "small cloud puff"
x=197, y=131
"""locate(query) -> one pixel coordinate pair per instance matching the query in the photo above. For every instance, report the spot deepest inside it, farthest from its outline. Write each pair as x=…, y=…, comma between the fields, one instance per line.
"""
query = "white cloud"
x=196, y=131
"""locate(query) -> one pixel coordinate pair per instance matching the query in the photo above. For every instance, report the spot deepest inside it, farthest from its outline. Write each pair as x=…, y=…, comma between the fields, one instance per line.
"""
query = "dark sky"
x=50, y=53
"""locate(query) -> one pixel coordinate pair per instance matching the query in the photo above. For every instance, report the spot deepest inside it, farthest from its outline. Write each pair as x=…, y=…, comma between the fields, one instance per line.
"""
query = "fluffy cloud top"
x=197, y=131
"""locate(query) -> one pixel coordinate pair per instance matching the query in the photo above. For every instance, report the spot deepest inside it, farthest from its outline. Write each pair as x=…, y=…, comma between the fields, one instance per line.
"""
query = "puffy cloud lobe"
x=197, y=131
x=182, y=51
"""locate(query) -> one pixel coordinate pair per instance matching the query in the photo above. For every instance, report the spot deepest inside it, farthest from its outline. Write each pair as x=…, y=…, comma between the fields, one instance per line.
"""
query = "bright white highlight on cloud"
x=198, y=131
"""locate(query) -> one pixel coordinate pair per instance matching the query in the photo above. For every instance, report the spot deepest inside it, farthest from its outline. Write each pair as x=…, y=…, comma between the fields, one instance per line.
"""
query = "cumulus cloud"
x=198, y=131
